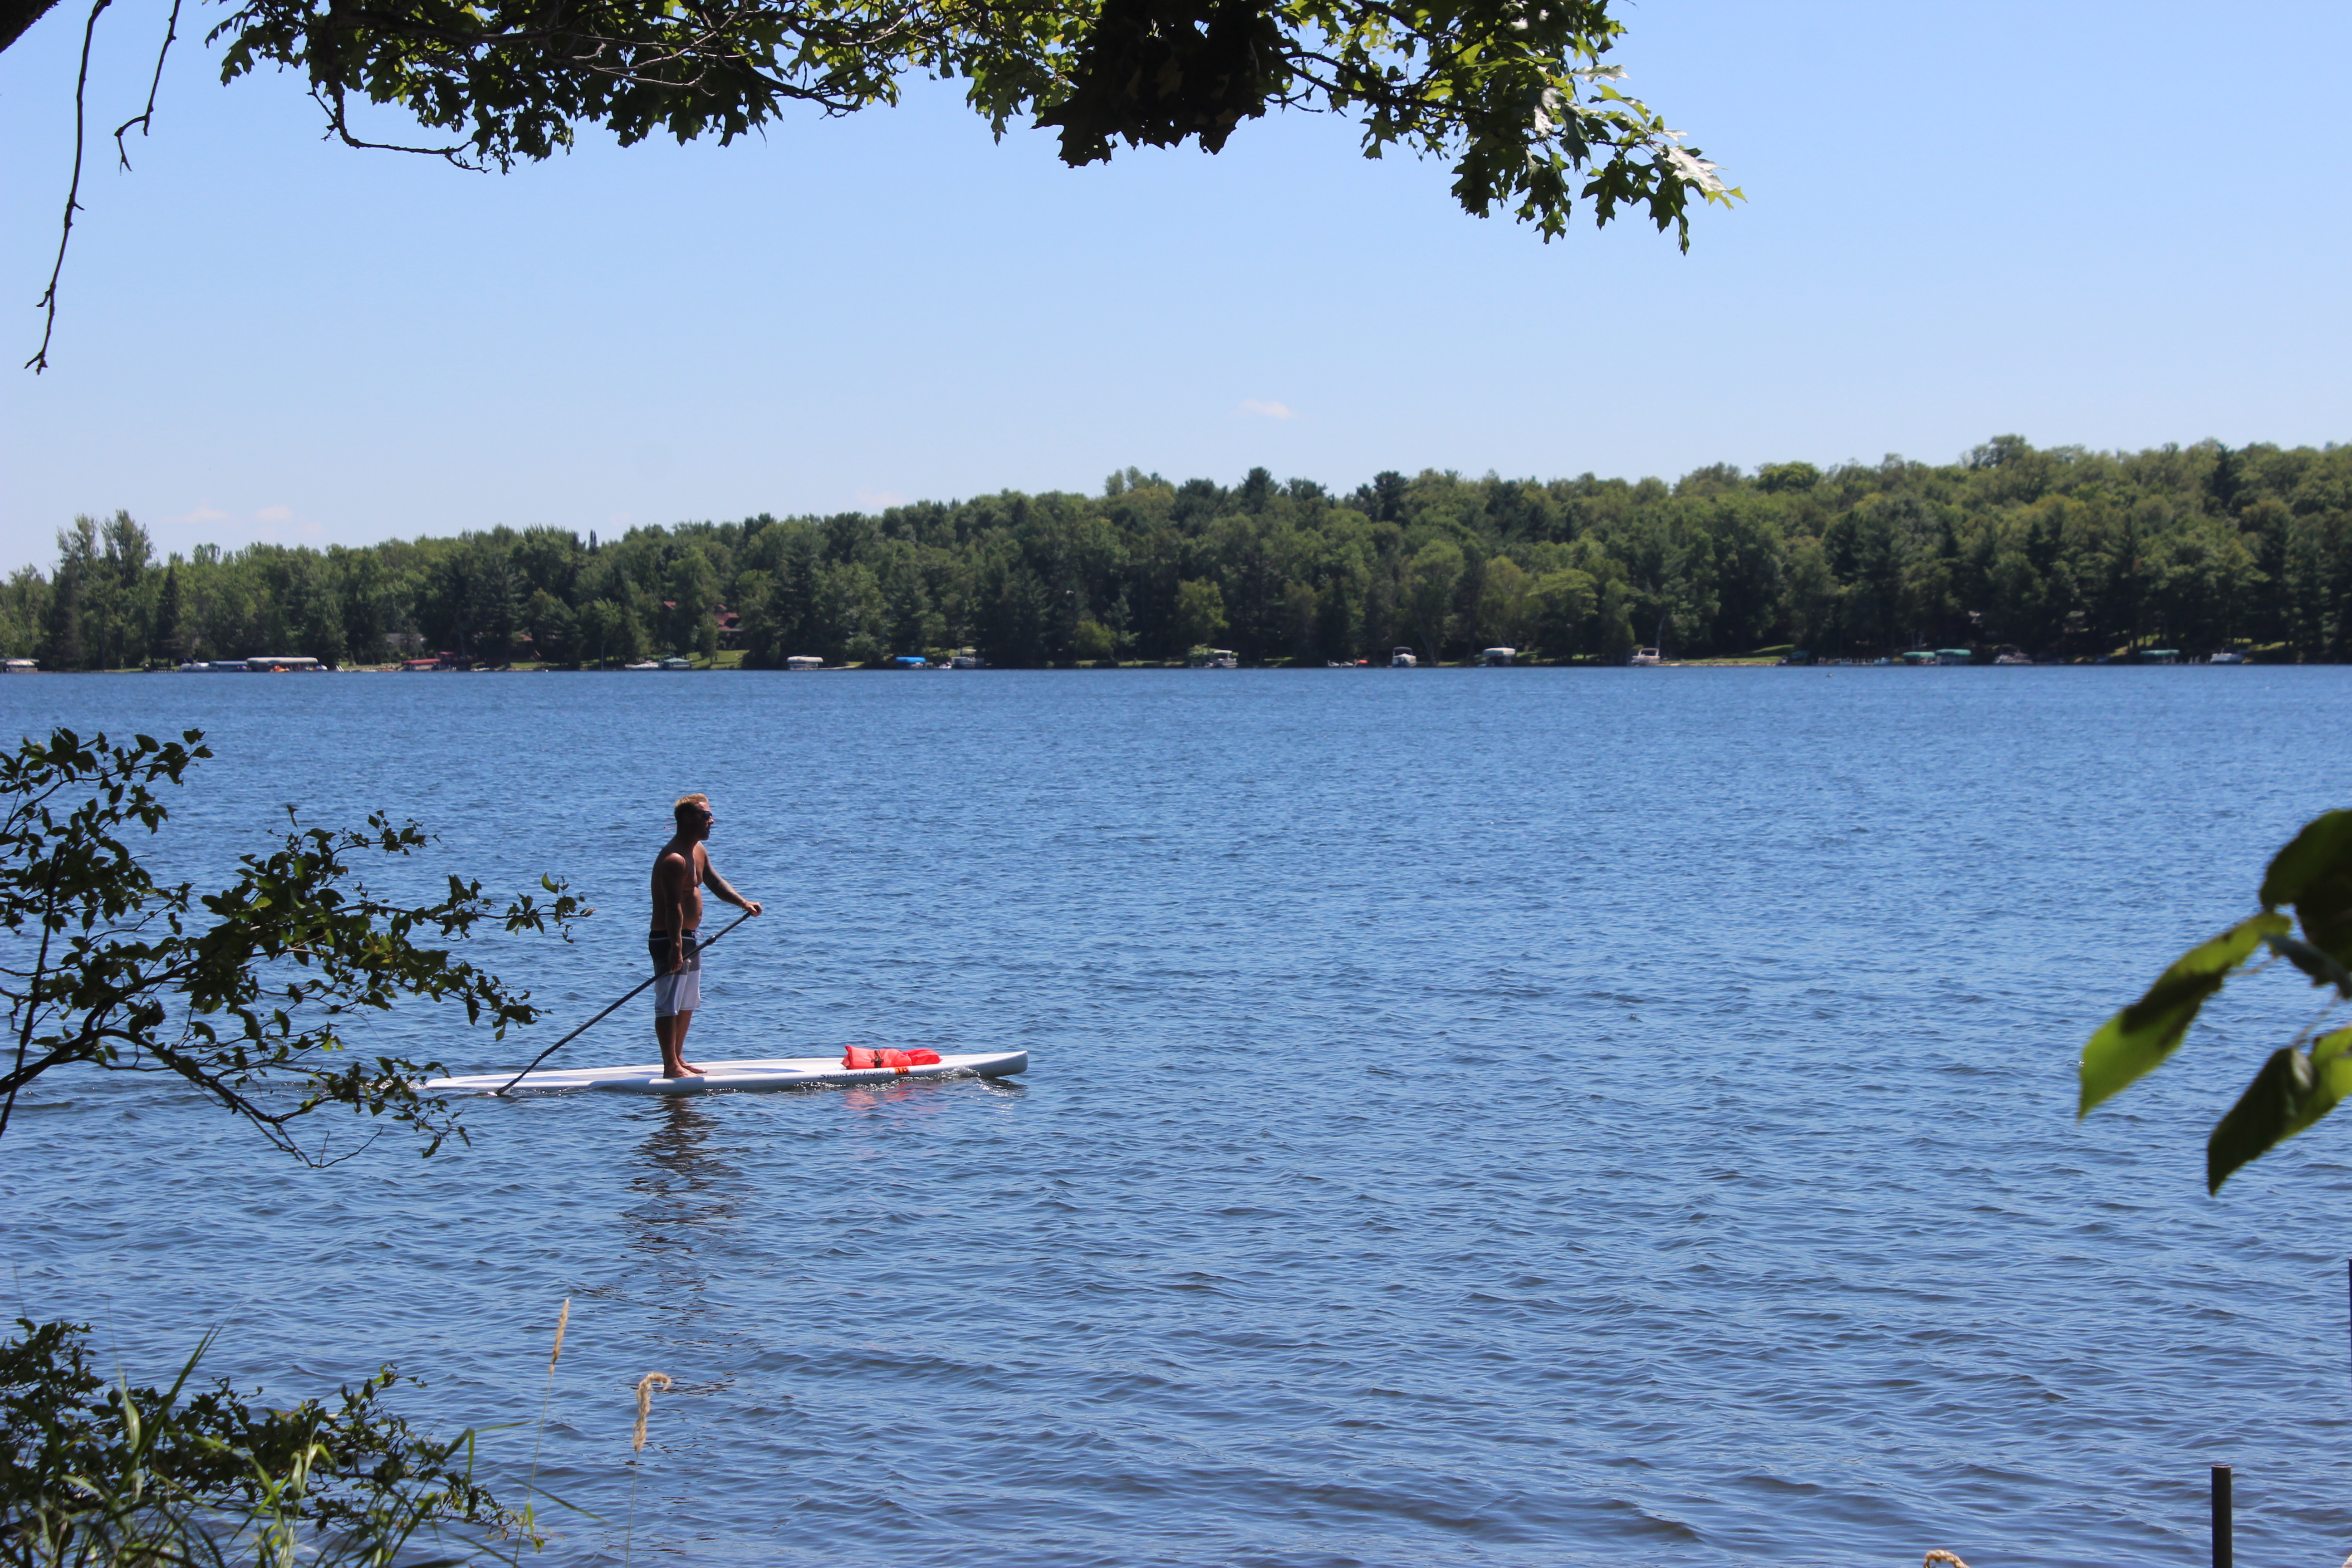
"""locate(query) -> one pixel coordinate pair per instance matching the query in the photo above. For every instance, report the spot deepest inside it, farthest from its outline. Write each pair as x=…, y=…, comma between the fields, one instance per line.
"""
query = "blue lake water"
x=1534, y=1117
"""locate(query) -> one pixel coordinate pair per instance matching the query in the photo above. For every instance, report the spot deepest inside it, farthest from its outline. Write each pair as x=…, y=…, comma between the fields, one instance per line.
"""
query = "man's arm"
x=675, y=879
x=718, y=884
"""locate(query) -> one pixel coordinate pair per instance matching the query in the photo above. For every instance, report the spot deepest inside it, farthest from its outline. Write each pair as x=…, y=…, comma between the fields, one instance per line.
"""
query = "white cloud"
x=872, y=500
x=269, y=526
x=1265, y=410
x=204, y=511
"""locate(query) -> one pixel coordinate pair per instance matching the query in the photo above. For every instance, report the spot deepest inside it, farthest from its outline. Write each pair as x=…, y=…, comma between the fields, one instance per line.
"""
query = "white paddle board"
x=766, y=1072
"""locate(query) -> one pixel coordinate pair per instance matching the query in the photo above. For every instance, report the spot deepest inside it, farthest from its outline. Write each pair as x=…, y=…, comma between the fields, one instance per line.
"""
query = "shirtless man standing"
x=681, y=870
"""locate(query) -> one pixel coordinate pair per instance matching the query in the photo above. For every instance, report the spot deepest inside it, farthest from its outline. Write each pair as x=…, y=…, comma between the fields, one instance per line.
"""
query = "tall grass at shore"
x=94, y=1475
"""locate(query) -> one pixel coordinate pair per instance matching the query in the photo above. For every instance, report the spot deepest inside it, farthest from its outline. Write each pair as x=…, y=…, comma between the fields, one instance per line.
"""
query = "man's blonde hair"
x=697, y=802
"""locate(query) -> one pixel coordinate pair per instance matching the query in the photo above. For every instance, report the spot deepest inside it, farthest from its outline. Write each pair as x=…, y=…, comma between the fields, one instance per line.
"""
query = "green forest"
x=2060, y=553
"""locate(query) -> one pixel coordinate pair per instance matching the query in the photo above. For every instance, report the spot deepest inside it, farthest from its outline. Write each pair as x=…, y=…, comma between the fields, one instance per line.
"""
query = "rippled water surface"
x=1475, y=1118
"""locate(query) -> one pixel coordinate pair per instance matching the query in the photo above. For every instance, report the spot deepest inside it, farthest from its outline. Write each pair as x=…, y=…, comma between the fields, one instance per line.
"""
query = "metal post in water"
x=2221, y=1532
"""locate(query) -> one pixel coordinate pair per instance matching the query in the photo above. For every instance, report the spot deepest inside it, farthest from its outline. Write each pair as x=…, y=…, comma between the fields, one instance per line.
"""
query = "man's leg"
x=671, y=1031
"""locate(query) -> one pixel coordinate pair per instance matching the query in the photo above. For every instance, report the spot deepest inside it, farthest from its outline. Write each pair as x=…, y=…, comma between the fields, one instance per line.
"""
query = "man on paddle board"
x=680, y=871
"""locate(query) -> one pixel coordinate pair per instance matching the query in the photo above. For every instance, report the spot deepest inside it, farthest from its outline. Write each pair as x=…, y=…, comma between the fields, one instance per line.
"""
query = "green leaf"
x=2323, y=970
x=2137, y=1040
x=2292, y=1092
x=2313, y=873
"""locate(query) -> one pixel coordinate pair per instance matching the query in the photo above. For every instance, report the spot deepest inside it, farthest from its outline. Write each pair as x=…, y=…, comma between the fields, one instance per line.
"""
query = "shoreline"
x=737, y=667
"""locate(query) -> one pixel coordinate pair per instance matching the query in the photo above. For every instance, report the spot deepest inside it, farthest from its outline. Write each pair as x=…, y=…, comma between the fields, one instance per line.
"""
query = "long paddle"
x=607, y=1013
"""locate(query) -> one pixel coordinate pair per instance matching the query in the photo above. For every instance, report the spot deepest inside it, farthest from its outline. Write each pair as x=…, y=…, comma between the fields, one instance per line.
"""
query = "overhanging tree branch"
x=48, y=303
x=250, y=1002
x=16, y=15
x=145, y=118
x=1514, y=93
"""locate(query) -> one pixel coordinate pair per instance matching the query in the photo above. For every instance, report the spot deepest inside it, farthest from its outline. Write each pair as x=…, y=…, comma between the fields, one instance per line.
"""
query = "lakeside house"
x=729, y=623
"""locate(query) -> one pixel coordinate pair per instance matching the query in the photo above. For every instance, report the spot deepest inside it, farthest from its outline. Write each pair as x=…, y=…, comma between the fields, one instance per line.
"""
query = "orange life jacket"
x=859, y=1057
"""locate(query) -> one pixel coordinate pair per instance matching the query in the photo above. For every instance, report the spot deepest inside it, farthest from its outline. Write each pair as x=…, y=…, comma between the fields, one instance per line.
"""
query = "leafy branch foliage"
x=243, y=992
x=1515, y=93
x=2301, y=1081
x=93, y=1473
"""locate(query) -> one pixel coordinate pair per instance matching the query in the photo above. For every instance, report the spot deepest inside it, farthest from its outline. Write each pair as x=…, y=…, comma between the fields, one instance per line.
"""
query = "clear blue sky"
x=2100, y=224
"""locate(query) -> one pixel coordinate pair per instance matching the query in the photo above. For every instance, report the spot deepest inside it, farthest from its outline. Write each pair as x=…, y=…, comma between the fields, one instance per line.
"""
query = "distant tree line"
x=2061, y=552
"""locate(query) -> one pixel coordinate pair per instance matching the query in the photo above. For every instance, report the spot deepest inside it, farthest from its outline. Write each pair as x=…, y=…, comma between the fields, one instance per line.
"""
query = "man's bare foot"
x=683, y=1069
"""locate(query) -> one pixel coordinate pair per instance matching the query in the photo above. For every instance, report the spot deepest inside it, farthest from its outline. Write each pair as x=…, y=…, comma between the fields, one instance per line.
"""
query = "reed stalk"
x=531, y=1487
x=645, y=1387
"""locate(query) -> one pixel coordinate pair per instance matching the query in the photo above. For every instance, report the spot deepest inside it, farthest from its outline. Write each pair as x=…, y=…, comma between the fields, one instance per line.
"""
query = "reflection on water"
x=687, y=1191
x=866, y=1100
x=685, y=1179
x=897, y=1104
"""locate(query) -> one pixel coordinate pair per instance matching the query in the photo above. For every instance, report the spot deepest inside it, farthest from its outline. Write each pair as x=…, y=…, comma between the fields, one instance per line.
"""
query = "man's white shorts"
x=680, y=992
